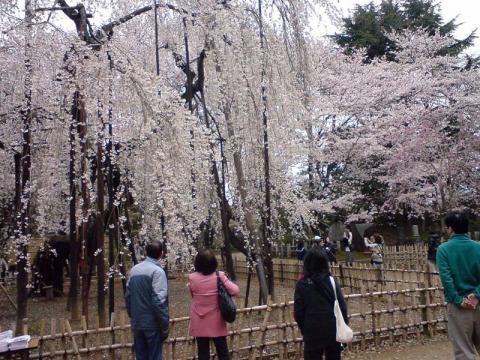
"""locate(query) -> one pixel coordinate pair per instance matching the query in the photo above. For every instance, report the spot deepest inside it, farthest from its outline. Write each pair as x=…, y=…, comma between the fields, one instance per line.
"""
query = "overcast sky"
x=466, y=11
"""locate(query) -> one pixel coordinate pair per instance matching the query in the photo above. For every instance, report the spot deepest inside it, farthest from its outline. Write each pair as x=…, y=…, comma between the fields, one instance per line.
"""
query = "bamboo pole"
x=72, y=338
x=85, y=332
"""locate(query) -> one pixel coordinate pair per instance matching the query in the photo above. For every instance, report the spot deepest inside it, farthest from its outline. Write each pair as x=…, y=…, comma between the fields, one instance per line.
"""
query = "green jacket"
x=458, y=262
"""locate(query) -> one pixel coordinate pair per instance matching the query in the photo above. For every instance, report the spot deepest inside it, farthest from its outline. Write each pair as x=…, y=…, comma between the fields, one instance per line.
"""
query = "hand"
x=473, y=300
x=470, y=302
x=466, y=304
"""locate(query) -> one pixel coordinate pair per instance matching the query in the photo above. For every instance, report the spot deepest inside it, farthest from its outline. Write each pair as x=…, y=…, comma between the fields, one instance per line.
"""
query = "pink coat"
x=205, y=317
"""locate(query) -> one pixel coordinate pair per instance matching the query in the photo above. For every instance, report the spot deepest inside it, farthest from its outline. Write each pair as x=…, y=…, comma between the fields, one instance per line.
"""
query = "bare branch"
x=63, y=8
x=108, y=27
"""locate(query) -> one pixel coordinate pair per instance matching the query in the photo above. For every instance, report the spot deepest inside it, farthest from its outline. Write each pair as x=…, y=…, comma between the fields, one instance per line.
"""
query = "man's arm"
x=159, y=299
x=451, y=293
x=127, y=299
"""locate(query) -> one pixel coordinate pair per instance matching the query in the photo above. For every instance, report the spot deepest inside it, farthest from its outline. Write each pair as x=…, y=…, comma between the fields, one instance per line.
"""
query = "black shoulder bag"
x=228, y=309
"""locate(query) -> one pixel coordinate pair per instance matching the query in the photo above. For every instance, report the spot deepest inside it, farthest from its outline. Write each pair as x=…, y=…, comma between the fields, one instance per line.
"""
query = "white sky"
x=466, y=11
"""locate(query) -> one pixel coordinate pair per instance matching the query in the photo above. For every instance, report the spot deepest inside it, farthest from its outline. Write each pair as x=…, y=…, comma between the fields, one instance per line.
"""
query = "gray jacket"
x=146, y=297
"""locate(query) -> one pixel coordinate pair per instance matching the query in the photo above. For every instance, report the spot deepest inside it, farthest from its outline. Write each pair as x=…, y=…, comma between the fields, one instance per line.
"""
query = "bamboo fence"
x=352, y=278
x=412, y=257
x=260, y=332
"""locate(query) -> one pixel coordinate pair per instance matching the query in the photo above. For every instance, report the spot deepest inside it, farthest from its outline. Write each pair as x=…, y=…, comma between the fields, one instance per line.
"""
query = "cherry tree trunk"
x=256, y=256
x=224, y=208
x=82, y=136
x=73, y=305
x=100, y=236
x=267, y=211
x=23, y=230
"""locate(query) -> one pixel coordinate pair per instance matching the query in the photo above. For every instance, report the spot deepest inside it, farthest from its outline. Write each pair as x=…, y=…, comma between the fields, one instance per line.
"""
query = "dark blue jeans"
x=148, y=344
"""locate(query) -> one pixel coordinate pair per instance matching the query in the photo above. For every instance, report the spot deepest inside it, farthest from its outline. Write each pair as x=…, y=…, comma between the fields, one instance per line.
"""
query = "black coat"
x=314, y=299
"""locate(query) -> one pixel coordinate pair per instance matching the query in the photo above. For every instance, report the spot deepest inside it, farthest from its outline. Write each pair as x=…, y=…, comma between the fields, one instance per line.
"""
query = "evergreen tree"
x=370, y=26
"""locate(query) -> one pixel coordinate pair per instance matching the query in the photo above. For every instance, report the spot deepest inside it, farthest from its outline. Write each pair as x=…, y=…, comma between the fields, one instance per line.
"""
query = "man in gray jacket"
x=147, y=304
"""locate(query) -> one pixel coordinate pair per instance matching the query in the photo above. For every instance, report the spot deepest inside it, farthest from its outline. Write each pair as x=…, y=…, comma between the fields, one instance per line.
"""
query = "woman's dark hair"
x=315, y=262
x=457, y=221
x=300, y=244
x=205, y=262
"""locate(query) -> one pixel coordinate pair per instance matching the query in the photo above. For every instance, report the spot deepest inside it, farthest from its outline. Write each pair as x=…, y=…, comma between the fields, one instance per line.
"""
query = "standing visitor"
x=314, y=299
x=327, y=246
x=458, y=263
x=376, y=248
x=3, y=268
x=347, y=245
x=300, y=250
x=147, y=304
x=206, y=320
x=433, y=244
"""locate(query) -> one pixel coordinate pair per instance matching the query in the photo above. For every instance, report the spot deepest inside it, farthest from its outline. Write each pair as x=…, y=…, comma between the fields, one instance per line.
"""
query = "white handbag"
x=344, y=333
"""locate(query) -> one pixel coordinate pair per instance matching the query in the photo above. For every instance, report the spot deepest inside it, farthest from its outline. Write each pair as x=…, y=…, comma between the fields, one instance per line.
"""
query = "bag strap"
x=332, y=281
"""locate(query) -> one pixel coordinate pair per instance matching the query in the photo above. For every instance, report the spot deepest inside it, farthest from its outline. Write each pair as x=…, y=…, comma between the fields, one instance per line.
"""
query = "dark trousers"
x=332, y=352
x=203, y=345
x=148, y=344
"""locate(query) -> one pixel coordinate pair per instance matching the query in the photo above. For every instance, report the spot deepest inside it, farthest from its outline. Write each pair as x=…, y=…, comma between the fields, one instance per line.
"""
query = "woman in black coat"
x=314, y=299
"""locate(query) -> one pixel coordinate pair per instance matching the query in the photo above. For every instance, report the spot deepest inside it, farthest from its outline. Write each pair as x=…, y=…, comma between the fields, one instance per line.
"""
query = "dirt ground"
x=179, y=299
x=438, y=349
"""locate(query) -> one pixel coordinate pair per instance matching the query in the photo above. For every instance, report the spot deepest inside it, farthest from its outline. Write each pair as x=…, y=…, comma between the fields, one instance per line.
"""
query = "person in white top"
x=377, y=249
x=347, y=244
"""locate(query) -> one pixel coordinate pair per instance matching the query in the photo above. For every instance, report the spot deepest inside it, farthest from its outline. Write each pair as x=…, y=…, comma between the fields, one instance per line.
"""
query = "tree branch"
x=109, y=27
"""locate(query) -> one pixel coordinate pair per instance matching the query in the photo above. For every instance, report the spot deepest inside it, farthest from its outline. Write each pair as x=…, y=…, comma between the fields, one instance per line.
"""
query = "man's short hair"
x=154, y=249
x=457, y=221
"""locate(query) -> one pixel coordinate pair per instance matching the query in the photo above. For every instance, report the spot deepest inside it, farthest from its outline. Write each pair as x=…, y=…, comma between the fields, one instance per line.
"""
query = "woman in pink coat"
x=206, y=321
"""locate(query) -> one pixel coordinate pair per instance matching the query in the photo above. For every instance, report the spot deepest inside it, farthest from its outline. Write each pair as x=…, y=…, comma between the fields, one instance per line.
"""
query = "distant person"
x=334, y=247
x=433, y=244
x=3, y=268
x=147, y=304
x=458, y=262
x=300, y=250
x=313, y=308
x=139, y=251
x=327, y=246
x=347, y=245
x=376, y=247
x=206, y=322
x=317, y=241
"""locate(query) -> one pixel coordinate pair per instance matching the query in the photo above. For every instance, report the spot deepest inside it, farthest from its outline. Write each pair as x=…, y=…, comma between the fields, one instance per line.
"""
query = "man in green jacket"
x=458, y=263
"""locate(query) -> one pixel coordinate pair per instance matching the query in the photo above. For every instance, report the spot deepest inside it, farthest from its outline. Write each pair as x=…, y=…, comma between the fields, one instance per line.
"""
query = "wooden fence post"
x=362, y=316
